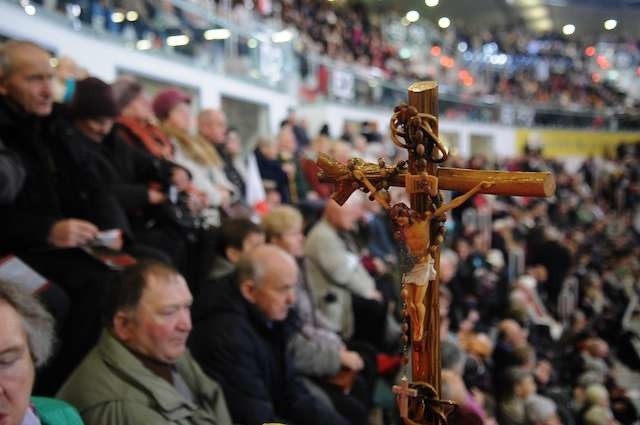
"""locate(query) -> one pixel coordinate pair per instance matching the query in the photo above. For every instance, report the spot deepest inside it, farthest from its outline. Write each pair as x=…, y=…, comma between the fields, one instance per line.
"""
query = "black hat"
x=93, y=98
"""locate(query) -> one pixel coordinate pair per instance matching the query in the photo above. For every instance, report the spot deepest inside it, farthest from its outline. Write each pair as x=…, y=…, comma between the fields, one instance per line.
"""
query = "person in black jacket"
x=241, y=343
x=138, y=180
x=57, y=204
x=11, y=175
x=60, y=207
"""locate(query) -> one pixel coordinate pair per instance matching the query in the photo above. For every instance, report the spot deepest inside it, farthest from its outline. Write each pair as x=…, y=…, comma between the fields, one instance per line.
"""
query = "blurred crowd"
x=295, y=300
x=495, y=65
x=498, y=64
x=542, y=303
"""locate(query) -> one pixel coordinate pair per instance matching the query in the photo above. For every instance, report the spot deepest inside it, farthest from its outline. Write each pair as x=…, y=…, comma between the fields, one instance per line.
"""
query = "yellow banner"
x=575, y=143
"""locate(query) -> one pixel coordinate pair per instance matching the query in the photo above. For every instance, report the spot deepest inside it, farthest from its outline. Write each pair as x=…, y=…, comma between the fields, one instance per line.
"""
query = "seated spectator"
x=344, y=291
x=598, y=415
x=317, y=350
x=26, y=342
x=136, y=121
x=140, y=371
x=541, y=411
x=511, y=337
x=11, y=175
x=287, y=147
x=237, y=237
x=186, y=217
x=61, y=207
x=579, y=401
x=271, y=170
x=212, y=134
x=242, y=342
x=518, y=387
x=298, y=127
x=171, y=106
x=526, y=292
x=139, y=181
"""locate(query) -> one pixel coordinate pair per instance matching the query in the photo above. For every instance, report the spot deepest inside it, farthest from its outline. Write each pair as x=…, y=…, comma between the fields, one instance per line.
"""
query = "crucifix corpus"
x=420, y=226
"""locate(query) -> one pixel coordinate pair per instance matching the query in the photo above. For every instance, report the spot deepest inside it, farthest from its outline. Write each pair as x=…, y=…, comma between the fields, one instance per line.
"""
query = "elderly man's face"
x=160, y=325
x=276, y=292
x=16, y=367
x=30, y=81
x=346, y=216
x=214, y=127
x=515, y=334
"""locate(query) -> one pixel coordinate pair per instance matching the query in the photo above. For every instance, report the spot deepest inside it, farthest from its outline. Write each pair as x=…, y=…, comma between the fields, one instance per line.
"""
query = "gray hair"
x=539, y=408
x=249, y=269
x=453, y=357
x=7, y=50
x=597, y=394
x=259, y=262
x=450, y=255
x=36, y=321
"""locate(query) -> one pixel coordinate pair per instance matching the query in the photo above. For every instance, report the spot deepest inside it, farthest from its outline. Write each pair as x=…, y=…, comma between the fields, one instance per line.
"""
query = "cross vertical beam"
x=425, y=361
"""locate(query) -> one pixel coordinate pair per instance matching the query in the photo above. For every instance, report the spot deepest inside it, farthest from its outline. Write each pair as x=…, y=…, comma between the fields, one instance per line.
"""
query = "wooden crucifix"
x=420, y=226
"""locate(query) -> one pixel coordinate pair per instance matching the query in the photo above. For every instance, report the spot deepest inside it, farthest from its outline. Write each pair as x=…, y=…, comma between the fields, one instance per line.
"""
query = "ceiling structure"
x=588, y=16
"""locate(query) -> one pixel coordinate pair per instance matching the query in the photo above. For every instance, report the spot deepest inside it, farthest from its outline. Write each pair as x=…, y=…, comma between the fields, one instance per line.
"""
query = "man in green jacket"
x=140, y=371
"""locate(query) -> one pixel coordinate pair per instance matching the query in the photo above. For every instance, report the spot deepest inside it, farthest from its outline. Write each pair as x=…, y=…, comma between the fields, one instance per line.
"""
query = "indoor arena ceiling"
x=588, y=16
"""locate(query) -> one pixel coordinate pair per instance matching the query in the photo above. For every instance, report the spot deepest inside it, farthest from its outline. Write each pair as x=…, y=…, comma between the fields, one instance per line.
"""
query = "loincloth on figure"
x=421, y=273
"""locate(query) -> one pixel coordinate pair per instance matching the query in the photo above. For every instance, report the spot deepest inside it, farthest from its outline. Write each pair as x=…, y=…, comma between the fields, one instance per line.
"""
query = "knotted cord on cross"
x=410, y=125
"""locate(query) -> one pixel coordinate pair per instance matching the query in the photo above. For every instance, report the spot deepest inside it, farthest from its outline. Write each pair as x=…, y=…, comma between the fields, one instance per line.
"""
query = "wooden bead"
x=404, y=294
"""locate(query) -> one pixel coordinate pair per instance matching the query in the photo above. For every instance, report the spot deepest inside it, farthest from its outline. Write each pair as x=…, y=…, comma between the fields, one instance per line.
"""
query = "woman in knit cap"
x=171, y=107
x=137, y=180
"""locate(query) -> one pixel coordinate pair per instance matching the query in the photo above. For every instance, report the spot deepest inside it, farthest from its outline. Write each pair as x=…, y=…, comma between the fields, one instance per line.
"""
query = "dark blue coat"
x=246, y=353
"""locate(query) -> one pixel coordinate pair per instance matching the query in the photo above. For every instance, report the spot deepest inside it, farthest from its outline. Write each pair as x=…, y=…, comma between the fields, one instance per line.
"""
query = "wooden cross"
x=404, y=392
x=414, y=127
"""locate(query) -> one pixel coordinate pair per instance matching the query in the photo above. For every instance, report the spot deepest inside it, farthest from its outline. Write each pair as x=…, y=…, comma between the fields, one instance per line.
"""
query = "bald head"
x=13, y=54
x=212, y=125
x=267, y=277
x=26, y=76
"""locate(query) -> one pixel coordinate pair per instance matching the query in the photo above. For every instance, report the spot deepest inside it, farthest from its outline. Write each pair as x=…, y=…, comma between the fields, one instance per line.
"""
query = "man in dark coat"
x=242, y=343
x=57, y=204
x=59, y=208
x=11, y=175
